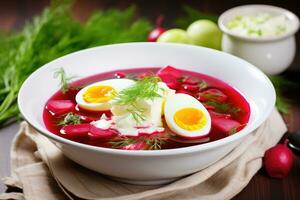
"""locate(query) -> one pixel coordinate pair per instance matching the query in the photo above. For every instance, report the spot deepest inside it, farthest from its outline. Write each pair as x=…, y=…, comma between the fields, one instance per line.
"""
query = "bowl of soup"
x=146, y=113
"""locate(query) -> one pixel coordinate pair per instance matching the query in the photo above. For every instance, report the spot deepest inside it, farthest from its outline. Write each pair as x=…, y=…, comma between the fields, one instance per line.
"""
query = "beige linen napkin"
x=43, y=172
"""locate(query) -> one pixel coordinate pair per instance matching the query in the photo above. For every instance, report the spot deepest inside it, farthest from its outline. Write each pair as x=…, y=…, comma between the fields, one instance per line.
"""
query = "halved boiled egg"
x=98, y=96
x=186, y=116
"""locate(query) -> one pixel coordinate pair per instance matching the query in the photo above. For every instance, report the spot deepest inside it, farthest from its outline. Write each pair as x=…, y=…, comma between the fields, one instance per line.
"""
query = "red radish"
x=225, y=125
x=75, y=130
x=278, y=161
x=212, y=94
x=59, y=107
x=120, y=75
x=98, y=133
x=155, y=33
x=136, y=146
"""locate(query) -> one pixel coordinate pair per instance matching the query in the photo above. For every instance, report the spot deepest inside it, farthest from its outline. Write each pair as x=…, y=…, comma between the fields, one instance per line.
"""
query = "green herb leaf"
x=64, y=80
x=53, y=34
x=70, y=118
x=147, y=88
x=122, y=142
x=192, y=15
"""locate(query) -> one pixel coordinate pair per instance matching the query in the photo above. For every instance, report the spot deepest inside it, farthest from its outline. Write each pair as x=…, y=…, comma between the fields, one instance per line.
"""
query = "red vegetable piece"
x=190, y=88
x=88, y=119
x=219, y=115
x=136, y=146
x=278, y=161
x=173, y=85
x=75, y=130
x=209, y=107
x=59, y=107
x=225, y=125
x=98, y=133
x=169, y=74
x=120, y=75
x=212, y=94
x=155, y=33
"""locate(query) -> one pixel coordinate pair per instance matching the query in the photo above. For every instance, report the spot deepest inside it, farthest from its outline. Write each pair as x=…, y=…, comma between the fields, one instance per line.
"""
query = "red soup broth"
x=235, y=102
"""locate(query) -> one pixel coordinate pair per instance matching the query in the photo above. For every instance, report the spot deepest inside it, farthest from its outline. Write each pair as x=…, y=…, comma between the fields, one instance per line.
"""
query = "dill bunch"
x=53, y=34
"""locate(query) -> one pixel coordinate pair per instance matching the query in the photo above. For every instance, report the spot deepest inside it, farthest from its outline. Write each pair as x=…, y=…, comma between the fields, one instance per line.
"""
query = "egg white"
x=117, y=84
x=179, y=101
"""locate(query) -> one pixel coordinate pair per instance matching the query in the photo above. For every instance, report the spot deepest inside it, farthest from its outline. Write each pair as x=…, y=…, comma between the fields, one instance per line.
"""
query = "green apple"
x=175, y=35
x=205, y=33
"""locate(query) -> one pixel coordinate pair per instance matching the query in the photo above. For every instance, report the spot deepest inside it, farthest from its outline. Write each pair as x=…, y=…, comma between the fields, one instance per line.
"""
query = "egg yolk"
x=190, y=119
x=99, y=94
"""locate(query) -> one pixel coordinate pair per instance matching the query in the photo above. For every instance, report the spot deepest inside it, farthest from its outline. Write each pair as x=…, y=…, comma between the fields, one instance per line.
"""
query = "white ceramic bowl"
x=148, y=167
x=273, y=54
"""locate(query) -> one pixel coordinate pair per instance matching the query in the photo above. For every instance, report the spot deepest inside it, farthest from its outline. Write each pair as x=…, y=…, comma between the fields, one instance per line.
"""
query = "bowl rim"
x=291, y=16
x=164, y=152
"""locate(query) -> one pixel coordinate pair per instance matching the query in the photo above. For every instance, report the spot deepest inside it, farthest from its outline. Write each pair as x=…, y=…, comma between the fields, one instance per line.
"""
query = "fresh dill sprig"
x=156, y=143
x=147, y=88
x=122, y=142
x=70, y=118
x=63, y=79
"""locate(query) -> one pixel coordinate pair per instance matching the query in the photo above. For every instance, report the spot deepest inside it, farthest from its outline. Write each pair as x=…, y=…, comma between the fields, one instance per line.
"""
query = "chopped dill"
x=122, y=142
x=63, y=79
x=146, y=88
x=70, y=118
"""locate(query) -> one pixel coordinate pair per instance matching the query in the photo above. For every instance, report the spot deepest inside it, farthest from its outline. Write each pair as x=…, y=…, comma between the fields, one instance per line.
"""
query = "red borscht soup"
x=146, y=109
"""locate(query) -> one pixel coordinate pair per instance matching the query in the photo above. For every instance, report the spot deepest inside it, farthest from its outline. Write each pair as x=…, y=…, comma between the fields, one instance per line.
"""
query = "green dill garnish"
x=156, y=143
x=232, y=131
x=63, y=79
x=224, y=107
x=152, y=142
x=122, y=142
x=147, y=88
x=203, y=85
x=70, y=118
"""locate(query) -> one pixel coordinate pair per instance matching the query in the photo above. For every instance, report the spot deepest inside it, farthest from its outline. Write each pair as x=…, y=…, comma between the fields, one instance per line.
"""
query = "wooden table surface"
x=14, y=13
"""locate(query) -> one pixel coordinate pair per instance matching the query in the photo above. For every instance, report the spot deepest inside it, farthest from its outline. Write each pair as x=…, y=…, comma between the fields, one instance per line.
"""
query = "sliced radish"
x=76, y=130
x=59, y=107
x=169, y=74
x=212, y=94
x=98, y=133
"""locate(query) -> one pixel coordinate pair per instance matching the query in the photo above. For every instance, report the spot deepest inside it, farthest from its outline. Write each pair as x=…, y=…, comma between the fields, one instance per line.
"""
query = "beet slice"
x=169, y=74
x=213, y=95
x=98, y=133
x=59, y=107
x=219, y=115
x=225, y=125
x=75, y=130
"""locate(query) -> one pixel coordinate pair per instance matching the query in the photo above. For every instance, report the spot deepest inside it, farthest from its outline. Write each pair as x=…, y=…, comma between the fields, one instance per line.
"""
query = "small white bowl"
x=159, y=166
x=272, y=54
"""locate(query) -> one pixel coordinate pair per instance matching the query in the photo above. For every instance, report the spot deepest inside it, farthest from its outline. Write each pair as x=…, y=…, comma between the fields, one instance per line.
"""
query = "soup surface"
x=146, y=109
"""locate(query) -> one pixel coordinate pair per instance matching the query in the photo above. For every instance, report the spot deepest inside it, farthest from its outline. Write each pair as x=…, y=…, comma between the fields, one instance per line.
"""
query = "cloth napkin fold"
x=43, y=172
